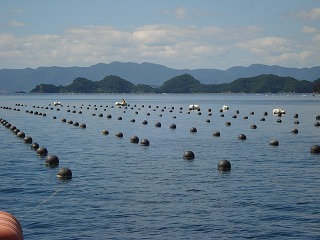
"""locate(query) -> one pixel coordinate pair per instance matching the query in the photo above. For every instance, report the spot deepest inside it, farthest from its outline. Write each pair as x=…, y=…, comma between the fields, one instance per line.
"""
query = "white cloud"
x=174, y=46
x=313, y=14
x=282, y=51
x=267, y=45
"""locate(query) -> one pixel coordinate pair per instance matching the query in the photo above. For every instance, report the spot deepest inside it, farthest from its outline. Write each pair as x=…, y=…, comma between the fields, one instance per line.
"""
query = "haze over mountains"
x=12, y=80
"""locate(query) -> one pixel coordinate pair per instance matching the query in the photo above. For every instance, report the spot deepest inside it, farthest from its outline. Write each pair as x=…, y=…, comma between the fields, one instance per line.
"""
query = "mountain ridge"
x=12, y=80
x=185, y=83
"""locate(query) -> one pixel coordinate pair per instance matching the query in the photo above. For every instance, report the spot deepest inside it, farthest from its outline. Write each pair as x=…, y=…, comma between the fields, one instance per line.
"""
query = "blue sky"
x=175, y=33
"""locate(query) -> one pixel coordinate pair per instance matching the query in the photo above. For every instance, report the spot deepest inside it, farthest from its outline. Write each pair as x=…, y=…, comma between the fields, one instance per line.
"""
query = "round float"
x=10, y=228
x=64, y=173
x=173, y=126
x=27, y=139
x=193, y=130
x=315, y=149
x=42, y=151
x=216, y=134
x=134, y=139
x=144, y=142
x=224, y=165
x=188, y=155
x=274, y=142
x=52, y=160
x=119, y=134
x=242, y=137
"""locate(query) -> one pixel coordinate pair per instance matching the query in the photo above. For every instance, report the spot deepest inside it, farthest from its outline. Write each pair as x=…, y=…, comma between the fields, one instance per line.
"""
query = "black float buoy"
x=76, y=124
x=82, y=125
x=15, y=131
x=173, y=126
x=228, y=123
x=109, y=116
x=27, y=139
x=64, y=173
x=104, y=132
x=253, y=126
x=294, y=130
x=221, y=115
x=188, y=155
x=279, y=121
x=52, y=160
x=132, y=120
x=144, y=122
x=119, y=134
x=265, y=113
x=216, y=134
x=144, y=142
x=21, y=134
x=34, y=146
x=296, y=115
x=245, y=117
x=42, y=151
x=262, y=119
x=296, y=122
x=224, y=165
x=242, y=137
x=315, y=149
x=134, y=139
x=274, y=143
x=157, y=124
x=207, y=121
x=193, y=129
x=317, y=124
x=63, y=120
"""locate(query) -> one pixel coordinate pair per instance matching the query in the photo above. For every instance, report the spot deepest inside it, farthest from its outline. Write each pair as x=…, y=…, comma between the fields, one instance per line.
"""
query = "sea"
x=123, y=190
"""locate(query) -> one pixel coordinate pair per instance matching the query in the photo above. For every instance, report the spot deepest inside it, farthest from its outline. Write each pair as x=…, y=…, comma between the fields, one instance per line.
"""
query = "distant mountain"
x=185, y=84
x=12, y=80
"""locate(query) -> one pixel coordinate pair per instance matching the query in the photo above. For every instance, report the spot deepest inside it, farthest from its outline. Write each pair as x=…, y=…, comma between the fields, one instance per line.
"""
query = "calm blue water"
x=121, y=190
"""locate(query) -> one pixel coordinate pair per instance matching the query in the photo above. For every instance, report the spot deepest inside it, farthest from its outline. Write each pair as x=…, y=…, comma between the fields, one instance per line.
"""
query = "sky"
x=181, y=34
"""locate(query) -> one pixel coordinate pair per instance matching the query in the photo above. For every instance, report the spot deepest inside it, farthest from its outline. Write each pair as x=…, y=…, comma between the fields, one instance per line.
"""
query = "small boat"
x=225, y=107
x=122, y=103
x=278, y=111
x=57, y=103
x=194, y=107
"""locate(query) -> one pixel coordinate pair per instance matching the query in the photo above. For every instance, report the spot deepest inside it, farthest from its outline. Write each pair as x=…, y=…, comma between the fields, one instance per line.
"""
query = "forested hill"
x=12, y=80
x=185, y=84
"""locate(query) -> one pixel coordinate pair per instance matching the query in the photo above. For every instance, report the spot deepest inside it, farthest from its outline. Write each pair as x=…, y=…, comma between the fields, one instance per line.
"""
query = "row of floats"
x=51, y=160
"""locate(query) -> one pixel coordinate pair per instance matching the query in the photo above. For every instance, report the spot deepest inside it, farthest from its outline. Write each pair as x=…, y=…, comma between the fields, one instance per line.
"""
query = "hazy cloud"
x=14, y=23
x=17, y=10
x=180, y=12
x=313, y=14
x=307, y=29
